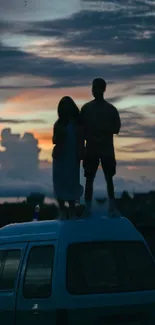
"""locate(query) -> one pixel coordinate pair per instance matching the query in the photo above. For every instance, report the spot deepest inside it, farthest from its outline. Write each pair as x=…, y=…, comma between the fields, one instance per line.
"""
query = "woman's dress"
x=66, y=168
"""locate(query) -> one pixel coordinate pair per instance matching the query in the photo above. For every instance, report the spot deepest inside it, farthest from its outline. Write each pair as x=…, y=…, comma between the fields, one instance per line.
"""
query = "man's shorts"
x=91, y=164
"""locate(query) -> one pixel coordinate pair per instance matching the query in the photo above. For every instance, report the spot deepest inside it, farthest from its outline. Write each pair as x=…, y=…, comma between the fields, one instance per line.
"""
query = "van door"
x=11, y=258
x=35, y=303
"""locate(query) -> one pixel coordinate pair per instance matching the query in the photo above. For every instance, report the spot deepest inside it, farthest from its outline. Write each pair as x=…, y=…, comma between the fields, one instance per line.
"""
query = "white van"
x=96, y=271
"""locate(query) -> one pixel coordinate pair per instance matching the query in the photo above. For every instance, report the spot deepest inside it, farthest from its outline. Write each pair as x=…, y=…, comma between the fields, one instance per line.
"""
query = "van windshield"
x=109, y=267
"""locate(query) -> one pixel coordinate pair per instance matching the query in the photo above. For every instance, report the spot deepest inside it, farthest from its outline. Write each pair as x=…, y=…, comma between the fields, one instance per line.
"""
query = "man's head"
x=98, y=88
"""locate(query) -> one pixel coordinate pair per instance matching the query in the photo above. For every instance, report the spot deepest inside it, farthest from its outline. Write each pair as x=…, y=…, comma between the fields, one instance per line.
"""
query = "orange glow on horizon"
x=32, y=100
x=44, y=137
x=132, y=167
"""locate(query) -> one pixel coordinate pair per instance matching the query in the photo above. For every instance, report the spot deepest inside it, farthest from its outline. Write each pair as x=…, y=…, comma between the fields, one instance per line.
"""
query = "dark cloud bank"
x=130, y=32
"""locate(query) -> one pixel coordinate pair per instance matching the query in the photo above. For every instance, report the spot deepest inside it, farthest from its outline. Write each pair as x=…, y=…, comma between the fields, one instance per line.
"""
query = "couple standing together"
x=87, y=136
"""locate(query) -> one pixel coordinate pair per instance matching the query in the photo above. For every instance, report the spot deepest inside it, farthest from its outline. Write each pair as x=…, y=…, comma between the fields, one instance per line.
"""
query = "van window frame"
x=40, y=244
x=5, y=250
x=118, y=263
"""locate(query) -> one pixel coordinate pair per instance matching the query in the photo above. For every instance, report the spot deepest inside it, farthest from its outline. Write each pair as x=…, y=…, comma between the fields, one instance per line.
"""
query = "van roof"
x=103, y=228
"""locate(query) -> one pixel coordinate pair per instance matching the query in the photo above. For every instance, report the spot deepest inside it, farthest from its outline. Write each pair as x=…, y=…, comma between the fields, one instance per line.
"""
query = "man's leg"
x=90, y=165
x=109, y=169
x=61, y=204
x=89, y=191
x=110, y=186
x=61, y=208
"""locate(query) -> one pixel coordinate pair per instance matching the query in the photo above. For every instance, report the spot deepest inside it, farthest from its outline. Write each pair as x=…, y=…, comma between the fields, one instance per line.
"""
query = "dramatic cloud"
x=137, y=125
x=20, y=168
x=64, y=73
x=145, y=146
x=20, y=158
x=103, y=31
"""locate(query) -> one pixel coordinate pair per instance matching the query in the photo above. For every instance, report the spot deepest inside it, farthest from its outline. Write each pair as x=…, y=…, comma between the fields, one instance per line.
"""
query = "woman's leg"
x=71, y=209
x=61, y=207
x=110, y=186
x=61, y=204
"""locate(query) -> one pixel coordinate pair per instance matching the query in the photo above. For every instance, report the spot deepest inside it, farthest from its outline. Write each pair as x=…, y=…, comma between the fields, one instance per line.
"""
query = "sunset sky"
x=52, y=48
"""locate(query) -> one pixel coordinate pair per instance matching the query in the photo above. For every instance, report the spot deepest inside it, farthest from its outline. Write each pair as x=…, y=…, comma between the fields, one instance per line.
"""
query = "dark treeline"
x=139, y=209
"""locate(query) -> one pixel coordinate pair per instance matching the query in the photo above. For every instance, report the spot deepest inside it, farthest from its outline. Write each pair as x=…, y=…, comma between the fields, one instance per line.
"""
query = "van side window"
x=38, y=275
x=109, y=267
x=9, y=265
x=140, y=267
x=91, y=269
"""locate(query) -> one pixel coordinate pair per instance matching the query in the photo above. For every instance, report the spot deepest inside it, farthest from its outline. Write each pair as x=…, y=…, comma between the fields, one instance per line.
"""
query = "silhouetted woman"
x=66, y=155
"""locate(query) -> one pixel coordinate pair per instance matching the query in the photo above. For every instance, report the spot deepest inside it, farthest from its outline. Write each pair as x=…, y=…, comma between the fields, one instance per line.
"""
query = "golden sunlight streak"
x=29, y=101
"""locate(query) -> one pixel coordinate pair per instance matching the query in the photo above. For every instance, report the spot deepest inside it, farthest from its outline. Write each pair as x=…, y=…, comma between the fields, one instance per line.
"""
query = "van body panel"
x=8, y=297
x=121, y=315
x=27, y=228
x=28, y=238
x=94, y=311
x=73, y=230
x=30, y=231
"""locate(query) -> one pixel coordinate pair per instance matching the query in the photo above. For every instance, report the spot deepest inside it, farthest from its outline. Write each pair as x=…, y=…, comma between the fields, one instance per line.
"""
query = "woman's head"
x=67, y=109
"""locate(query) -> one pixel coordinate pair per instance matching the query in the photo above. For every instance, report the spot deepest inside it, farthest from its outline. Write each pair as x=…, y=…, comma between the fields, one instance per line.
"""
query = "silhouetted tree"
x=125, y=196
x=35, y=198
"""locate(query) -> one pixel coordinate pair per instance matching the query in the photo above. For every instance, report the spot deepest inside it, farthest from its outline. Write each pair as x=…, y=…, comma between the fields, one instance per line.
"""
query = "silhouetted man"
x=100, y=121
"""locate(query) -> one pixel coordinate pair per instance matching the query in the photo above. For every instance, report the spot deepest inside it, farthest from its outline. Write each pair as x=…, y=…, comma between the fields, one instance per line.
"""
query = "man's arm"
x=117, y=122
x=82, y=132
x=82, y=113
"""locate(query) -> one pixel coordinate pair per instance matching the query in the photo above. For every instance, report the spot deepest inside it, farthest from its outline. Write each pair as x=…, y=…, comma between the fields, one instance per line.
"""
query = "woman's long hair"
x=67, y=111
